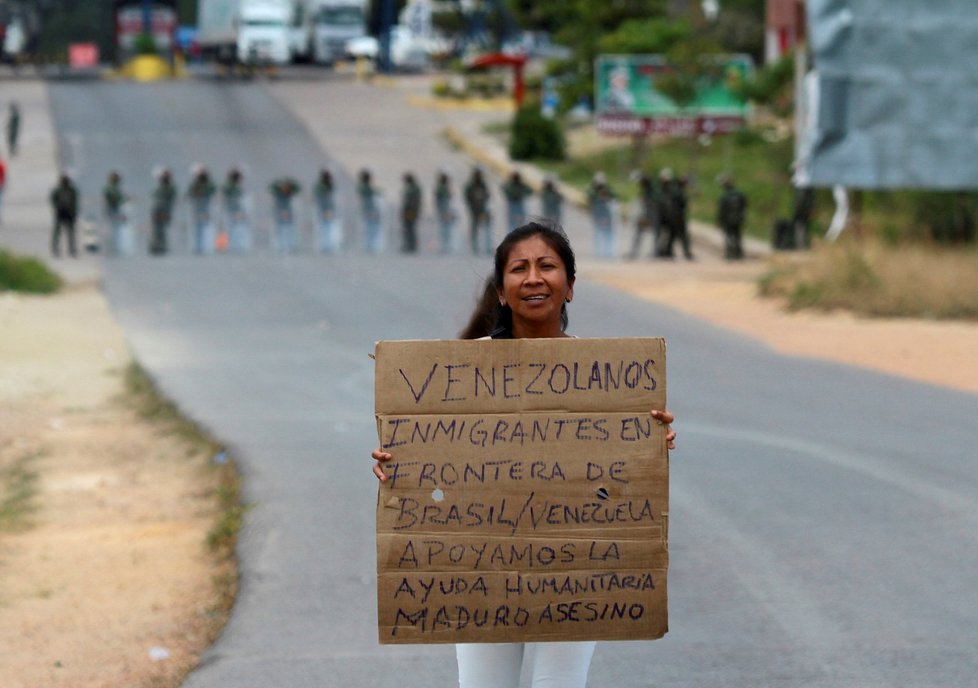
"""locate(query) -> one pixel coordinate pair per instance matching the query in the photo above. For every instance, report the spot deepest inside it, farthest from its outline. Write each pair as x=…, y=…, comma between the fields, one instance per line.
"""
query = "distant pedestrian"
x=370, y=212
x=647, y=221
x=329, y=232
x=13, y=128
x=283, y=190
x=200, y=193
x=445, y=213
x=600, y=202
x=410, y=212
x=476, y=194
x=114, y=200
x=731, y=212
x=552, y=202
x=233, y=196
x=515, y=191
x=64, y=203
x=161, y=213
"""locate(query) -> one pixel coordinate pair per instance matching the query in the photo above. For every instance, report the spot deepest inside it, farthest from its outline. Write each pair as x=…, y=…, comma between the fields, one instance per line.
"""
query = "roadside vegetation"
x=27, y=275
x=18, y=487
x=218, y=472
x=874, y=278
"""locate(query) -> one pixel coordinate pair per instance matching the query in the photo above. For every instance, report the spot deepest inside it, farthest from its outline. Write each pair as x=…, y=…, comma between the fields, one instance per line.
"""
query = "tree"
x=771, y=86
x=583, y=34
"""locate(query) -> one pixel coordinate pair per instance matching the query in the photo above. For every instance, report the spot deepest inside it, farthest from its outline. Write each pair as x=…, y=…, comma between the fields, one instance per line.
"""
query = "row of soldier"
x=662, y=213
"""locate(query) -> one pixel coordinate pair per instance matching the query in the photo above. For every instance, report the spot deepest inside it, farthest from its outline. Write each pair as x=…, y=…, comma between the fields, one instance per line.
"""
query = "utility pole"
x=387, y=11
x=148, y=17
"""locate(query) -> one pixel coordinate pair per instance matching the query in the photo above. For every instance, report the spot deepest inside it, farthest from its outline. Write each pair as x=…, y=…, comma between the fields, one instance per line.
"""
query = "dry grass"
x=876, y=279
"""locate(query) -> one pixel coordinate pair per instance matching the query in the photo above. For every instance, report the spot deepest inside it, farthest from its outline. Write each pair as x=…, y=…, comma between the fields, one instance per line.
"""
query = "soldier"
x=410, y=212
x=370, y=210
x=551, y=202
x=161, y=213
x=731, y=211
x=64, y=202
x=13, y=128
x=283, y=190
x=680, y=225
x=666, y=211
x=114, y=199
x=648, y=215
x=3, y=182
x=200, y=193
x=445, y=212
x=801, y=218
x=480, y=221
x=328, y=230
x=233, y=196
x=515, y=191
x=600, y=201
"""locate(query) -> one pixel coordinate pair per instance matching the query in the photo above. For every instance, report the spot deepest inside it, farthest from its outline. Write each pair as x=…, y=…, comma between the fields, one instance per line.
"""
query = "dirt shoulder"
x=105, y=579
x=937, y=352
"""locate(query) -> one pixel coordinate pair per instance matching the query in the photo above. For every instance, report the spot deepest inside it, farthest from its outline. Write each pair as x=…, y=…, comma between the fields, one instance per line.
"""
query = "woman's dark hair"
x=490, y=318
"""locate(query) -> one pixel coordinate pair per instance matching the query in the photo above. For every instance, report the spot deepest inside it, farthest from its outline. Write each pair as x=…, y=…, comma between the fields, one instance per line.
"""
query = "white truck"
x=333, y=23
x=252, y=32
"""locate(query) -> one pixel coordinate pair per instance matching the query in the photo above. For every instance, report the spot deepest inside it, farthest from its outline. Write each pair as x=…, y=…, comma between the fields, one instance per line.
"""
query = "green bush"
x=948, y=216
x=26, y=275
x=535, y=136
x=485, y=85
x=145, y=45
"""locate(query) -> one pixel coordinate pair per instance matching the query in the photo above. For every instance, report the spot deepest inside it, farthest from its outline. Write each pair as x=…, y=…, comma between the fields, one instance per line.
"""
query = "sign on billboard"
x=627, y=100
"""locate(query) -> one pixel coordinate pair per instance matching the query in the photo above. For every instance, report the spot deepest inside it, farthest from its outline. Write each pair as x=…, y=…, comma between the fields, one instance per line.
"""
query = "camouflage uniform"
x=731, y=211
x=477, y=201
x=161, y=214
x=200, y=192
x=286, y=236
x=410, y=212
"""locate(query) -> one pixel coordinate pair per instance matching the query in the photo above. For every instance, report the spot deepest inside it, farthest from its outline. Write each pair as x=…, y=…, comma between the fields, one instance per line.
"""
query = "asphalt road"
x=824, y=520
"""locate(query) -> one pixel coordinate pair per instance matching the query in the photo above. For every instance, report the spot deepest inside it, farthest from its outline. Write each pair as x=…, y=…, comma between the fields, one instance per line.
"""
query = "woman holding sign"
x=527, y=297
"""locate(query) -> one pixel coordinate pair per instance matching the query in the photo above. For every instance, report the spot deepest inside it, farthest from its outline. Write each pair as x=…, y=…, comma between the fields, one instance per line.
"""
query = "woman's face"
x=535, y=287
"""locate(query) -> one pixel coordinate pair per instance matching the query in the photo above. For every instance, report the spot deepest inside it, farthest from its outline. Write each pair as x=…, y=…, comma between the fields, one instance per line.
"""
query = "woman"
x=533, y=282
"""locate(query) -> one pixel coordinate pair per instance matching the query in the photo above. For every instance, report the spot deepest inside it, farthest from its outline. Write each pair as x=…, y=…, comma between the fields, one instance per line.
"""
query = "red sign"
x=81, y=55
x=623, y=125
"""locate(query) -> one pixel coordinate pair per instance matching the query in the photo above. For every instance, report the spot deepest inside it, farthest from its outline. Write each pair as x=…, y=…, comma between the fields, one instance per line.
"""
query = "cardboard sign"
x=528, y=496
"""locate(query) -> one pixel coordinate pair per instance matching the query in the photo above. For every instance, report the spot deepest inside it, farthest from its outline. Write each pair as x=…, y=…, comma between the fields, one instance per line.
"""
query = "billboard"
x=892, y=97
x=628, y=102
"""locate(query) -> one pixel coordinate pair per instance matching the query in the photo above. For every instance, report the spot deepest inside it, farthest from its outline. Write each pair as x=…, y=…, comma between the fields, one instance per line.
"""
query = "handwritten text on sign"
x=528, y=495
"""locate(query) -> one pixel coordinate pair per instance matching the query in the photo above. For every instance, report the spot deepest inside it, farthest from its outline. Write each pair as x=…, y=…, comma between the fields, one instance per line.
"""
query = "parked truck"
x=252, y=32
x=334, y=22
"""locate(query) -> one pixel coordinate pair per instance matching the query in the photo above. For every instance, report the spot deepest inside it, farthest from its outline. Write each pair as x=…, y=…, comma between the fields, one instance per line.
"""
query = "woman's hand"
x=380, y=457
x=666, y=418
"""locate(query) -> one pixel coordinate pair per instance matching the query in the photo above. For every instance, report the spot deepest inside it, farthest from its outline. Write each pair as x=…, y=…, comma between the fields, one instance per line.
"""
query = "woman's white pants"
x=498, y=665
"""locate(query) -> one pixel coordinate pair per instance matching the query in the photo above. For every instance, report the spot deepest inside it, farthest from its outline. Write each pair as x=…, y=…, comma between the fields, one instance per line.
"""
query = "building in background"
x=784, y=28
